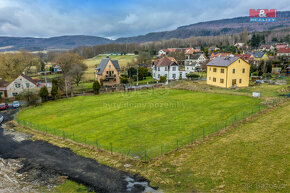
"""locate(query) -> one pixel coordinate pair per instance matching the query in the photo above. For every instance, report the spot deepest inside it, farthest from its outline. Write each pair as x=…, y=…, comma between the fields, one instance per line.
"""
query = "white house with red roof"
x=167, y=66
x=283, y=52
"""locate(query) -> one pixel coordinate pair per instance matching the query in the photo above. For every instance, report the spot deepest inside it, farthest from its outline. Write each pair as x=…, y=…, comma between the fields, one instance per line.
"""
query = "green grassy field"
x=142, y=120
x=252, y=157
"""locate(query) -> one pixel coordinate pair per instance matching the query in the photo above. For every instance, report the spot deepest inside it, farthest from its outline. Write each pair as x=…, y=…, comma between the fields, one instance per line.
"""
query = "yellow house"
x=228, y=72
x=258, y=56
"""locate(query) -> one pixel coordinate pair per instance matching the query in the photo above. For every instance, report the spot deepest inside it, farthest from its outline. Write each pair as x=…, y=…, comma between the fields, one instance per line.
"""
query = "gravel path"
x=52, y=160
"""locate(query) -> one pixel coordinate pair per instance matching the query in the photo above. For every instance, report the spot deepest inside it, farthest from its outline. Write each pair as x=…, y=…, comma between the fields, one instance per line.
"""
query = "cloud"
x=112, y=18
x=130, y=19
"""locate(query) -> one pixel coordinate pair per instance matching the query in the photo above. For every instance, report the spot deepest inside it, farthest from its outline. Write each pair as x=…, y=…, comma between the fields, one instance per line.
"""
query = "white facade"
x=171, y=72
x=19, y=85
x=161, y=53
x=192, y=67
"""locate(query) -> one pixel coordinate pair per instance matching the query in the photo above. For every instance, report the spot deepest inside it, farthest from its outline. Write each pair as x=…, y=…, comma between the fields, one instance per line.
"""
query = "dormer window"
x=17, y=85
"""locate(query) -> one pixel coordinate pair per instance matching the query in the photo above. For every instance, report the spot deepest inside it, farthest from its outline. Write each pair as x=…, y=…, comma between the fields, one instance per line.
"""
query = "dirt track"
x=61, y=161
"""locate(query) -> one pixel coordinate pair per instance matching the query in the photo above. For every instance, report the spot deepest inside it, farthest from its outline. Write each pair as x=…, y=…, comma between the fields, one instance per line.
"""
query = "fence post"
x=97, y=143
x=63, y=134
x=145, y=155
x=203, y=132
x=111, y=148
x=177, y=143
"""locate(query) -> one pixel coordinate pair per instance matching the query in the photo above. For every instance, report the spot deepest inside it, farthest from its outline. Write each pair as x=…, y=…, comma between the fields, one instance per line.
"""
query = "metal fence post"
x=63, y=134
x=177, y=143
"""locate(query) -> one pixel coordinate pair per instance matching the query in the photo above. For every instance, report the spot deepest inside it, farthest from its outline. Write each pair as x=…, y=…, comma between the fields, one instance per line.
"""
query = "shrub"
x=124, y=80
x=162, y=79
x=96, y=87
x=192, y=76
x=43, y=93
x=54, y=90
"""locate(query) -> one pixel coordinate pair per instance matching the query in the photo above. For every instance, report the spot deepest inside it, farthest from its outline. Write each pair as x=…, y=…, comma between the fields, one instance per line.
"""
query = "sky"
x=117, y=18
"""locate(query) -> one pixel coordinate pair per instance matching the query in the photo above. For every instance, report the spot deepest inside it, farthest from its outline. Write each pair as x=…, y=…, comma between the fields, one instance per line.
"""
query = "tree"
x=143, y=58
x=124, y=80
x=43, y=93
x=30, y=97
x=66, y=61
x=142, y=73
x=96, y=87
x=178, y=55
x=162, y=79
x=245, y=36
x=268, y=66
x=14, y=64
x=54, y=89
x=77, y=72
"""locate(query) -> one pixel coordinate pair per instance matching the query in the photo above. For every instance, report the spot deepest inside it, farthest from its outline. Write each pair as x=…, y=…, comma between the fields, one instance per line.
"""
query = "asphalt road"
x=62, y=161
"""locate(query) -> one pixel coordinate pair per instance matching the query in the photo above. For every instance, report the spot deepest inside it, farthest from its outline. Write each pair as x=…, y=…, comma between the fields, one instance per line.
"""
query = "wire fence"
x=158, y=149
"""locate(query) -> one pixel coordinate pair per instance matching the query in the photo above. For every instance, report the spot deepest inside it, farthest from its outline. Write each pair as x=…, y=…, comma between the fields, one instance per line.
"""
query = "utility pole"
x=137, y=76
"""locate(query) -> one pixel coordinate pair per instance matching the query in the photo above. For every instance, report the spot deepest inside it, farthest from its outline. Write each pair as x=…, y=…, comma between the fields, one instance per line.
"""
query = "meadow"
x=137, y=121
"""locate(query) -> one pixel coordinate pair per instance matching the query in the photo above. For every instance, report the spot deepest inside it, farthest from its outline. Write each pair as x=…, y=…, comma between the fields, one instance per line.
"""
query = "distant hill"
x=53, y=43
x=209, y=28
x=213, y=28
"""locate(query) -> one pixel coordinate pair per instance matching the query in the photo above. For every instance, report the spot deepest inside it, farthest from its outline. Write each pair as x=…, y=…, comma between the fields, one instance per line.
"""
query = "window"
x=209, y=69
x=14, y=93
x=214, y=69
x=208, y=78
x=222, y=70
x=112, y=72
x=173, y=76
x=221, y=80
x=240, y=81
x=165, y=68
x=239, y=61
x=158, y=75
x=17, y=85
x=244, y=70
x=27, y=85
x=234, y=71
x=158, y=68
x=107, y=72
x=173, y=68
x=109, y=66
x=214, y=79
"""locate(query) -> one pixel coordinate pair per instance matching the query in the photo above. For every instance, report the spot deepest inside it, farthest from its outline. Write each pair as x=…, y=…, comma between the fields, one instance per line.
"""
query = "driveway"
x=62, y=161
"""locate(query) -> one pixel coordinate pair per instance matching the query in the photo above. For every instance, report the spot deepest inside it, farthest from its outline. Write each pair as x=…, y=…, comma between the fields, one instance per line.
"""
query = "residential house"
x=281, y=46
x=259, y=56
x=247, y=57
x=228, y=72
x=216, y=55
x=163, y=52
x=239, y=45
x=167, y=66
x=17, y=86
x=283, y=52
x=108, y=72
x=189, y=51
x=213, y=49
x=193, y=62
x=267, y=48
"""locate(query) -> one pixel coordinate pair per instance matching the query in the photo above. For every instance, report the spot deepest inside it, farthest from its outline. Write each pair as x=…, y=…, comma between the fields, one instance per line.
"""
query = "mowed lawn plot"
x=138, y=121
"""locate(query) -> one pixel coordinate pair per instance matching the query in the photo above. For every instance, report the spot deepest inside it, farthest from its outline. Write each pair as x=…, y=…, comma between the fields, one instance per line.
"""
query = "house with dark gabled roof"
x=228, y=72
x=17, y=86
x=108, y=72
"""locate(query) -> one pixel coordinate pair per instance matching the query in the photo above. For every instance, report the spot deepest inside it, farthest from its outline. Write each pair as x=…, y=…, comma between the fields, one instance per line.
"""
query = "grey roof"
x=222, y=61
x=194, y=56
x=191, y=64
x=258, y=54
x=103, y=64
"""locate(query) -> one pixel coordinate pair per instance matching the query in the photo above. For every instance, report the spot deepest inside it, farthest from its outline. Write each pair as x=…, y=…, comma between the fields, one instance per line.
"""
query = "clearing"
x=155, y=121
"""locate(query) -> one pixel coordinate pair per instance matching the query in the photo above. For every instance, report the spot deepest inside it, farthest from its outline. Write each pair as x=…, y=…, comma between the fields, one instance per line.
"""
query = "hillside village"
x=201, y=113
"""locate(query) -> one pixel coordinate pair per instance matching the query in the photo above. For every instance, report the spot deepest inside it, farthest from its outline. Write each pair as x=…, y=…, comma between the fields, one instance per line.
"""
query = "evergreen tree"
x=43, y=93
x=96, y=87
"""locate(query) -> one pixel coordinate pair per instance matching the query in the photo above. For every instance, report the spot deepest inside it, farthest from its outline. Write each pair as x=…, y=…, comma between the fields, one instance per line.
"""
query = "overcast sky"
x=117, y=18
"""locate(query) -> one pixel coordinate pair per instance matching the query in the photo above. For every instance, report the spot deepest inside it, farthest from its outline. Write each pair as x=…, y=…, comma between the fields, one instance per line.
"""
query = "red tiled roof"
x=244, y=56
x=284, y=50
x=165, y=61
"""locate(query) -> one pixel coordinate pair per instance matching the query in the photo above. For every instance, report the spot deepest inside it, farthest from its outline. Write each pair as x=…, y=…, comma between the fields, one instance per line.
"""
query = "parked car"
x=1, y=119
x=3, y=106
x=15, y=104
